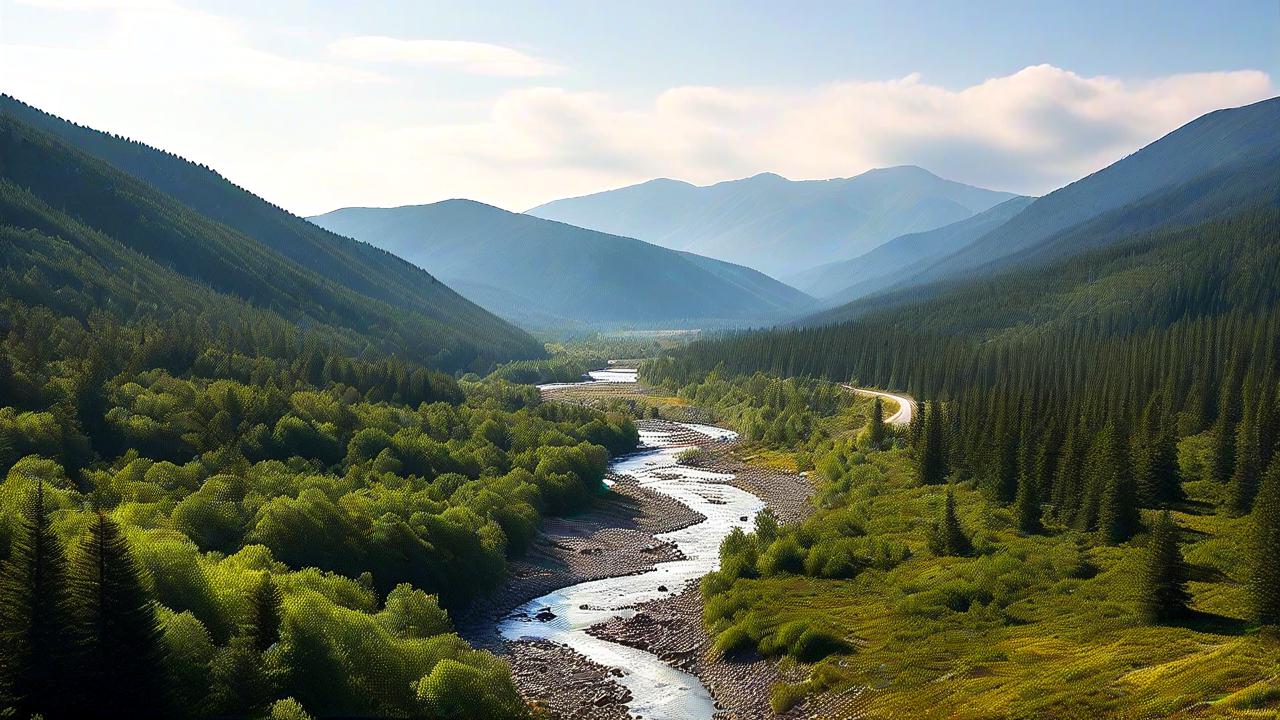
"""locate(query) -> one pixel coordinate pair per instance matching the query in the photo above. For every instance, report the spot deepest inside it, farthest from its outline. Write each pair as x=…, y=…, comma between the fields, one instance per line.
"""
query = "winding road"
x=906, y=406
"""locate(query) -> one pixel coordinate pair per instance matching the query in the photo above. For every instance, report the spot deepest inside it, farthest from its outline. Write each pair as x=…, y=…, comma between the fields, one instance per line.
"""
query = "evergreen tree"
x=933, y=451
x=1164, y=595
x=1222, y=458
x=1244, y=478
x=37, y=647
x=239, y=683
x=1002, y=481
x=123, y=663
x=1027, y=504
x=948, y=537
x=1118, y=516
x=875, y=431
x=265, y=607
x=1264, y=571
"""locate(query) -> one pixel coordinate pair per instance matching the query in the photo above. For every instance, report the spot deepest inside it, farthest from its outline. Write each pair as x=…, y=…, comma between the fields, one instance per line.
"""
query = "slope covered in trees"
x=517, y=265
x=887, y=265
x=1066, y=405
x=778, y=226
x=1208, y=168
x=197, y=225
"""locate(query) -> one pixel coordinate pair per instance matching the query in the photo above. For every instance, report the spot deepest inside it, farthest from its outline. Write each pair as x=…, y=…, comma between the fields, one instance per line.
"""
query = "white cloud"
x=472, y=57
x=1031, y=131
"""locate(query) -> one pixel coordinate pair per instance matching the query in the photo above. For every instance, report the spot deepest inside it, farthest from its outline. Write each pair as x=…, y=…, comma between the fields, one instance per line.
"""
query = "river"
x=659, y=691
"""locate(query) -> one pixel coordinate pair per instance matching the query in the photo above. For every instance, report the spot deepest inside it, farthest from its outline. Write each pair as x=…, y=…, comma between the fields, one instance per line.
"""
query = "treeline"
x=1066, y=390
x=232, y=472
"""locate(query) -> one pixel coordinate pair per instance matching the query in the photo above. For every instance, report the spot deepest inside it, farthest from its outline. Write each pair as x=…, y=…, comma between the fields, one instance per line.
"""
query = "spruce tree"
x=265, y=607
x=933, y=451
x=38, y=650
x=1002, y=483
x=875, y=431
x=948, y=537
x=1118, y=516
x=1264, y=570
x=1222, y=456
x=1244, y=478
x=123, y=661
x=1027, y=504
x=1164, y=595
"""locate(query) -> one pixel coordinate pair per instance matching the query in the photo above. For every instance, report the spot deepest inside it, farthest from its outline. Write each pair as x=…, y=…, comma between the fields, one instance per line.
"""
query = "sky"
x=320, y=105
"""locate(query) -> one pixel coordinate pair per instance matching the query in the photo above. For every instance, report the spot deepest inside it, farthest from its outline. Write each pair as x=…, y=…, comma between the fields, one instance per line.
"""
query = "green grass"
x=1030, y=627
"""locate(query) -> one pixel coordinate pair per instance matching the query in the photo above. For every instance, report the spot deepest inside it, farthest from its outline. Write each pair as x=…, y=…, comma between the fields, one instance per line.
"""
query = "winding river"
x=658, y=691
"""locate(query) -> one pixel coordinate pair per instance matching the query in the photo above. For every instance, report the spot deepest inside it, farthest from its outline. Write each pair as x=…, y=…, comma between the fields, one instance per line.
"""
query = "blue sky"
x=318, y=105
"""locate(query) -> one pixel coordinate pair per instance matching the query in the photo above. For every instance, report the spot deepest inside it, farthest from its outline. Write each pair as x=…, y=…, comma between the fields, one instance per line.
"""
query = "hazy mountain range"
x=543, y=273
x=778, y=226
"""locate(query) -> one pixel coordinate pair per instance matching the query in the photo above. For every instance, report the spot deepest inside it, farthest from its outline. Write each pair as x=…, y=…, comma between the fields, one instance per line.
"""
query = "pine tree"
x=1222, y=458
x=1244, y=478
x=266, y=605
x=933, y=451
x=124, y=669
x=1003, y=476
x=875, y=431
x=948, y=537
x=1118, y=516
x=1027, y=504
x=1164, y=595
x=38, y=650
x=1264, y=571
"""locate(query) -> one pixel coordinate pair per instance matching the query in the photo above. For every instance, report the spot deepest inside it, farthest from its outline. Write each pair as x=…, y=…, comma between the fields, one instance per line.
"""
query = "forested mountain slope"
x=1220, y=140
x=846, y=280
x=58, y=197
x=223, y=235
x=517, y=264
x=778, y=226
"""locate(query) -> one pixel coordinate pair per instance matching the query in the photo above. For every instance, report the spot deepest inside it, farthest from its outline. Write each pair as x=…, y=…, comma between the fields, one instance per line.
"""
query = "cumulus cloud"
x=472, y=57
x=1031, y=131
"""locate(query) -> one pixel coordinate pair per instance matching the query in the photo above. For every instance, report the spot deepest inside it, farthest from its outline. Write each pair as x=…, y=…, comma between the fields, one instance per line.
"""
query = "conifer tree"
x=123, y=663
x=1002, y=481
x=933, y=451
x=1027, y=504
x=1118, y=516
x=1264, y=570
x=875, y=431
x=1244, y=478
x=1164, y=595
x=266, y=606
x=1222, y=457
x=38, y=650
x=948, y=537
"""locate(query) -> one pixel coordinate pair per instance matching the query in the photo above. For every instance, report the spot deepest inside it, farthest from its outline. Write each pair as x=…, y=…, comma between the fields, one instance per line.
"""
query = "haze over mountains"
x=1214, y=167
x=778, y=226
x=542, y=273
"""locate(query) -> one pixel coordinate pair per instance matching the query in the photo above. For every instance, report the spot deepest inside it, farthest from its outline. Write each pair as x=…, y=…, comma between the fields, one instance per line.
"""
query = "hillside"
x=216, y=231
x=847, y=280
x=534, y=270
x=778, y=226
x=79, y=227
x=1218, y=140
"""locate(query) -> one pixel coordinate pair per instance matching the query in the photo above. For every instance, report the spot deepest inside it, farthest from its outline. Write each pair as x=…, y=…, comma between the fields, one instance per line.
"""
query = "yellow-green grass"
x=1050, y=629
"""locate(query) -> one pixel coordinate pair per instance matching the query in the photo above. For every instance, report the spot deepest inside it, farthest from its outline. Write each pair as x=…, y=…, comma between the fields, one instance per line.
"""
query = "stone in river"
x=662, y=588
x=544, y=615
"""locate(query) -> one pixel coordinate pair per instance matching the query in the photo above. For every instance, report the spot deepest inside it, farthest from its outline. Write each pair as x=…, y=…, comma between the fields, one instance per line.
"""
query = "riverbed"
x=658, y=691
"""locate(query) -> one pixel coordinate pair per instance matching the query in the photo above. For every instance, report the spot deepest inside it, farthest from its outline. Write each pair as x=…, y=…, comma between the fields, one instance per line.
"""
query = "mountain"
x=65, y=196
x=1223, y=139
x=847, y=280
x=538, y=271
x=778, y=226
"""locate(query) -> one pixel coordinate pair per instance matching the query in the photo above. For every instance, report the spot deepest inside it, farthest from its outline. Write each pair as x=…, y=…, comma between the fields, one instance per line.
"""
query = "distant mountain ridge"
x=886, y=265
x=1215, y=167
x=540, y=271
x=775, y=225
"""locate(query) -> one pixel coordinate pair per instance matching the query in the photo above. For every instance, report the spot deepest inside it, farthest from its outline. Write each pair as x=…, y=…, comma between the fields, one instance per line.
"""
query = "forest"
x=1093, y=474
